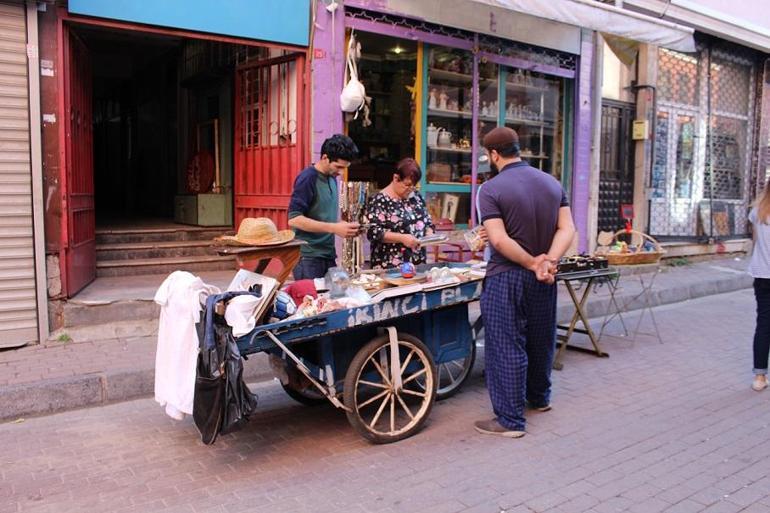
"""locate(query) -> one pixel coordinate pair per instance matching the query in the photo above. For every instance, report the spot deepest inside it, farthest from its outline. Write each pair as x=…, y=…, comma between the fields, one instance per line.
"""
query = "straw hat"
x=259, y=231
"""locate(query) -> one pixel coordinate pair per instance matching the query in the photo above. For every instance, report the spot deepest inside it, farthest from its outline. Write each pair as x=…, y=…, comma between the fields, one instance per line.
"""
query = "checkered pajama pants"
x=520, y=338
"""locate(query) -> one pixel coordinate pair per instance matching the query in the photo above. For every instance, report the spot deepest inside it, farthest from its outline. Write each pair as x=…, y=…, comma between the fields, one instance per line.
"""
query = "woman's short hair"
x=408, y=168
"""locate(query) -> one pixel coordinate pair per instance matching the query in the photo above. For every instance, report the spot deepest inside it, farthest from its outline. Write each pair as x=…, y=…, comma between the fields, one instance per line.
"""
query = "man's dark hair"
x=504, y=140
x=339, y=147
x=507, y=151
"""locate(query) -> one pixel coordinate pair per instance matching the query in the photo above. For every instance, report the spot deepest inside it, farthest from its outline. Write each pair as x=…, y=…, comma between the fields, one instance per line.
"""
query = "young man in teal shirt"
x=314, y=208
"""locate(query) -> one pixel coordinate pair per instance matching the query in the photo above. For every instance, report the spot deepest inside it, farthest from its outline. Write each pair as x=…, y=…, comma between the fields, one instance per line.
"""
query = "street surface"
x=655, y=427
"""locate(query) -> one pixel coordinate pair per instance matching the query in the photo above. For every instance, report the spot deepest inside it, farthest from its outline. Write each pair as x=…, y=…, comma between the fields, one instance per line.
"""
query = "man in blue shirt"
x=314, y=208
x=529, y=225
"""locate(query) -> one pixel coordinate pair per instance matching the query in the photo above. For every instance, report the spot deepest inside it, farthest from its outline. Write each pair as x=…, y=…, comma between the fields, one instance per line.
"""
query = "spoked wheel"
x=379, y=409
x=452, y=375
x=309, y=395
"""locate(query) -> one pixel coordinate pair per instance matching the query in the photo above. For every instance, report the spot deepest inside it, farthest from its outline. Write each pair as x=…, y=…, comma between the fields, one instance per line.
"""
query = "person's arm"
x=340, y=228
x=410, y=241
x=562, y=239
x=302, y=197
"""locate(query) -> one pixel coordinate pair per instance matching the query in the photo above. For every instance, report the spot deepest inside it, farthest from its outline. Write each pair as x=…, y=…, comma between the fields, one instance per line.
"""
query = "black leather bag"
x=239, y=401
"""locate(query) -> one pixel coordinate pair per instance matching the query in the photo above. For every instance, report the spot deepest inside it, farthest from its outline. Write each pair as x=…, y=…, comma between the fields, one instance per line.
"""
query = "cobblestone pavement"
x=669, y=426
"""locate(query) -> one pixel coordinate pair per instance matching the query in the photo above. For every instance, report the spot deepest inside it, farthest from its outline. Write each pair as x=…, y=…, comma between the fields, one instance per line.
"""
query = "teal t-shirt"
x=315, y=197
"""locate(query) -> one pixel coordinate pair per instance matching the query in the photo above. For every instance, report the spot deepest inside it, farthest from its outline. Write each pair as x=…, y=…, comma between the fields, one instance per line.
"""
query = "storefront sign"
x=286, y=21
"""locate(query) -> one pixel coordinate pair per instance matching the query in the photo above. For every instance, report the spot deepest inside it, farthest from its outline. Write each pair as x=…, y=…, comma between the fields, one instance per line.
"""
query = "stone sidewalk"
x=656, y=427
x=62, y=375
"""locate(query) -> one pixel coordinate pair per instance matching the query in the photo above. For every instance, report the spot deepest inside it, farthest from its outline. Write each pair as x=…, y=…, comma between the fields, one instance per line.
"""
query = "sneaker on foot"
x=493, y=427
x=759, y=384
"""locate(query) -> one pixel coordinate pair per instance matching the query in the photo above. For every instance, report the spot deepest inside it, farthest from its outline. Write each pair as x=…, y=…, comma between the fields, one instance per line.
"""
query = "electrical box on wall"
x=640, y=130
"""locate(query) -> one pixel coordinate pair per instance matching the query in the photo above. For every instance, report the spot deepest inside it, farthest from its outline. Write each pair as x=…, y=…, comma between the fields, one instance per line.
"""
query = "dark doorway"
x=616, y=169
x=135, y=123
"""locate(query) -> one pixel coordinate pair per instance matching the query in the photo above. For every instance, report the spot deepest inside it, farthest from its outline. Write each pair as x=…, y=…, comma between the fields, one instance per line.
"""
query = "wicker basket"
x=636, y=257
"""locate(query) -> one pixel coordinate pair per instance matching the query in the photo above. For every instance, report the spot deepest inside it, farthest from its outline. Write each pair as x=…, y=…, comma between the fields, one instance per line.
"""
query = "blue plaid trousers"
x=520, y=338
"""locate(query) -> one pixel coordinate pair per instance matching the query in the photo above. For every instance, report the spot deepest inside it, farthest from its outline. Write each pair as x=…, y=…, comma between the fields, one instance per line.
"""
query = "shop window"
x=533, y=104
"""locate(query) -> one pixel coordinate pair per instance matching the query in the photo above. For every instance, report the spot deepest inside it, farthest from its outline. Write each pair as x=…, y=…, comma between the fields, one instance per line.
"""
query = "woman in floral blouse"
x=398, y=218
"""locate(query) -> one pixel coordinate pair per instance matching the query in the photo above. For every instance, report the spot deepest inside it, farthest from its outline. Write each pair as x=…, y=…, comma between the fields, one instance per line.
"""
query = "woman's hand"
x=410, y=241
x=483, y=235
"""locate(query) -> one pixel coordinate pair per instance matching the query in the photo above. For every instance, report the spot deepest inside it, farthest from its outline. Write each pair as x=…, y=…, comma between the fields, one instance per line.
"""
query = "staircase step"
x=78, y=314
x=176, y=233
x=144, y=250
x=193, y=264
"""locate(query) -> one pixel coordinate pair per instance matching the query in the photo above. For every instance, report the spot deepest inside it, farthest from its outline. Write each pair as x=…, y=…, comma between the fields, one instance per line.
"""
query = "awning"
x=605, y=18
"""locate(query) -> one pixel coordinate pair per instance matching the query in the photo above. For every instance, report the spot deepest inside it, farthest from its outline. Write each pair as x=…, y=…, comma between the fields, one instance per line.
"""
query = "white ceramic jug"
x=444, y=138
x=432, y=136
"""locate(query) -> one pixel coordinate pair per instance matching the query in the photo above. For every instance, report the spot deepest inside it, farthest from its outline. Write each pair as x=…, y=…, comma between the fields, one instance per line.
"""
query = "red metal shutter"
x=269, y=136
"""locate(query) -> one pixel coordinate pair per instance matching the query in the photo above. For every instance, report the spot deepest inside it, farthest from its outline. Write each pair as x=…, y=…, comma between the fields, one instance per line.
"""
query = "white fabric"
x=181, y=297
x=606, y=18
x=759, y=265
x=239, y=314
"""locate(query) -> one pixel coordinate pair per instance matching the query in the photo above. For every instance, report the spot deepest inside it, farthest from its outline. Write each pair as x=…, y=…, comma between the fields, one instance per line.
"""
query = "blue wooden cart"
x=385, y=363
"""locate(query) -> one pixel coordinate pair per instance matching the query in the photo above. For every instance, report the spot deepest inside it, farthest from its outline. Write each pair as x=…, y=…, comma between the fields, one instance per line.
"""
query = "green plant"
x=64, y=338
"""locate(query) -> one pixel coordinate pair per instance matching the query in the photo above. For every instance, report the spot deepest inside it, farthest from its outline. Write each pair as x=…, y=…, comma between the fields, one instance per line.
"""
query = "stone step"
x=79, y=314
x=194, y=264
x=165, y=234
x=147, y=250
x=123, y=328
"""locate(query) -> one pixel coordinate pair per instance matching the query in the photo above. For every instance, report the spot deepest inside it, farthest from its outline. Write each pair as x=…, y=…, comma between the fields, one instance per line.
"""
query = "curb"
x=57, y=395
x=96, y=389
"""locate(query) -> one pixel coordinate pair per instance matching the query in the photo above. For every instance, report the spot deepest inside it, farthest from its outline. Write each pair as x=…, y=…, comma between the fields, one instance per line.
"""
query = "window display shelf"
x=463, y=114
x=445, y=113
x=530, y=122
x=513, y=86
x=455, y=76
x=450, y=149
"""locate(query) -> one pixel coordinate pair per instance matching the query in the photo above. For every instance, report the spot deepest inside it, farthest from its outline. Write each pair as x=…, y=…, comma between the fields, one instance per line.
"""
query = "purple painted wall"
x=327, y=74
x=581, y=171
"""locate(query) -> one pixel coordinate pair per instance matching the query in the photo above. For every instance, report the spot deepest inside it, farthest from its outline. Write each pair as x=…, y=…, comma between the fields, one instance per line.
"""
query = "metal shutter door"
x=18, y=314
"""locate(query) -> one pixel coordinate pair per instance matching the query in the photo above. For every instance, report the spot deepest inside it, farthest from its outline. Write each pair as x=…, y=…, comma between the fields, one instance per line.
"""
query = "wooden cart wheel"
x=380, y=411
x=309, y=396
x=451, y=376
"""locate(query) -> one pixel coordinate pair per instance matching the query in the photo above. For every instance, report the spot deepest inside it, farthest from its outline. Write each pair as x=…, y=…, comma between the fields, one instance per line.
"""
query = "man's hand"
x=544, y=268
x=346, y=230
x=410, y=241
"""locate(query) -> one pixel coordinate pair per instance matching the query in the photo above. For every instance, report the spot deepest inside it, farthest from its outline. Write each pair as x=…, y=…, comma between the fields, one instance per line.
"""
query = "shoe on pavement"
x=493, y=427
x=759, y=384
x=546, y=407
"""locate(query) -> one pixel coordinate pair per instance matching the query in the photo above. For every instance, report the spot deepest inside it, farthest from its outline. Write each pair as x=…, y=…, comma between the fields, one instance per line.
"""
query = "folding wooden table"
x=588, y=277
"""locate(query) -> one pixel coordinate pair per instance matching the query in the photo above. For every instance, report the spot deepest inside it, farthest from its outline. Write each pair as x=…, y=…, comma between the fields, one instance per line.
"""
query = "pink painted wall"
x=327, y=74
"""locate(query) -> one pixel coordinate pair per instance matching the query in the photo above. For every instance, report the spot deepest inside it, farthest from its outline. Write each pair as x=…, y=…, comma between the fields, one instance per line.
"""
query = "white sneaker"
x=759, y=383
